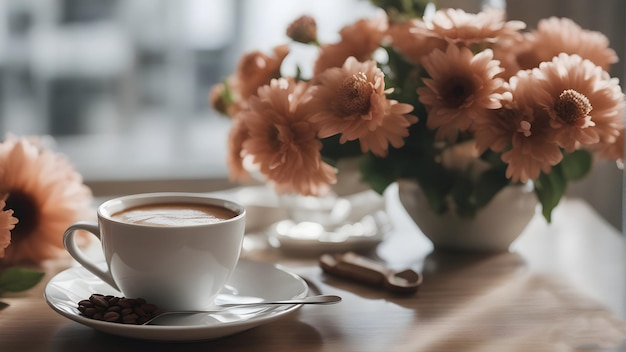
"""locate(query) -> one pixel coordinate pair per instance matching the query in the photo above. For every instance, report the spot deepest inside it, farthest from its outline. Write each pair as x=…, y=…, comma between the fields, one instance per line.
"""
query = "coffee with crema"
x=175, y=214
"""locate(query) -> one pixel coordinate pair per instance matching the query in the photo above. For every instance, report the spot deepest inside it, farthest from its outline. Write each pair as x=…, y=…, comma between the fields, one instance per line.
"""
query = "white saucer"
x=251, y=281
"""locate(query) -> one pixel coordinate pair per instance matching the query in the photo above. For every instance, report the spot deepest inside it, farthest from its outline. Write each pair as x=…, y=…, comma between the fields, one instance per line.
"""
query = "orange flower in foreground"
x=359, y=39
x=7, y=223
x=352, y=101
x=562, y=35
x=46, y=195
x=461, y=88
x=282, y=141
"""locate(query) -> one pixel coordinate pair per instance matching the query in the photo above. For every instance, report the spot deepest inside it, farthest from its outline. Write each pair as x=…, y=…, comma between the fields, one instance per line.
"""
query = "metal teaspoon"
x=319, y=299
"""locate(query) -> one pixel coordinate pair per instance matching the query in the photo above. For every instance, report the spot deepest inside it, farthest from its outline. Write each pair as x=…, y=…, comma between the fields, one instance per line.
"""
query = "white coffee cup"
x=176, y=267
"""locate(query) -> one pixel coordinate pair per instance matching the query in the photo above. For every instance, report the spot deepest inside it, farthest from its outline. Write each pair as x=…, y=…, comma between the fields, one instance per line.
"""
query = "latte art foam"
x=169, y=215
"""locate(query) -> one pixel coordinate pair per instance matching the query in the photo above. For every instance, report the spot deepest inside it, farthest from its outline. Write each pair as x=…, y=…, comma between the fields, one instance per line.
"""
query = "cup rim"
x=169, y=197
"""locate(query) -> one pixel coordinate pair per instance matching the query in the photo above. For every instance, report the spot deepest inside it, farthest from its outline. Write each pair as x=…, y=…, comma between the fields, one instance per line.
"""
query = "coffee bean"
x=114, y=309
x=85, y=303
x=125, y=302
x=113, y=300
x=99, y=301
x=111, y=316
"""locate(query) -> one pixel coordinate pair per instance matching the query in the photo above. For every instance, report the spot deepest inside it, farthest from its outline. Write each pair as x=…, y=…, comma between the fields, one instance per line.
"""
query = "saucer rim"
x=191, y=332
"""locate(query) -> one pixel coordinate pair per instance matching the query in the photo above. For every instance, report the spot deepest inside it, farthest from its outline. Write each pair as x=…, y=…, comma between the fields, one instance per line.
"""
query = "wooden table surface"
x=560, y=288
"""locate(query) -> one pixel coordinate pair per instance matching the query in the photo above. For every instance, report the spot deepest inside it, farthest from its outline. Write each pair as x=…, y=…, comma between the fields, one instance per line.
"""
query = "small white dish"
x=250, y=282
x=310, y=226
x=317, y=225
x=313, y=238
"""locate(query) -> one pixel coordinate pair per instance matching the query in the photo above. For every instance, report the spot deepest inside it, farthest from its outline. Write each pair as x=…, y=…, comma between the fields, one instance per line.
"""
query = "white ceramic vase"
x=493, y=229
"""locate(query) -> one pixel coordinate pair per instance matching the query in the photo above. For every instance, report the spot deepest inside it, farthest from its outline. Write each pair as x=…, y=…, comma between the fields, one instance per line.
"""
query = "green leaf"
x=19, y=279
x=576, y=165
x=377, y=172
x=549, y=189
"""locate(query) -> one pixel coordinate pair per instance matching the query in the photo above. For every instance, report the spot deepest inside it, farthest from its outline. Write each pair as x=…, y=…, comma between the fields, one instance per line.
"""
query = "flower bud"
x=303, y=30
x=218, y=99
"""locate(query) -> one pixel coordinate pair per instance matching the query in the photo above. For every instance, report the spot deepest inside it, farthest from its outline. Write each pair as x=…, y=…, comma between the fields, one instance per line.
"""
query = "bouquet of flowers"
x=464, y=104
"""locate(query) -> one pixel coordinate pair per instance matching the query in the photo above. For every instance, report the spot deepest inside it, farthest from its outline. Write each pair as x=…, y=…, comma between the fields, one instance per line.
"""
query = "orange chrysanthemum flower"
x=487, y=29
x=256, y=69
x=282, y=141
x=533, y=151
x=488, y=26
x=523, y=127
x=46, y=195
x=562, y=35
x=461, y=88
x=351, y=101
x=7, y=223
x=359, y=39
x=584, y=104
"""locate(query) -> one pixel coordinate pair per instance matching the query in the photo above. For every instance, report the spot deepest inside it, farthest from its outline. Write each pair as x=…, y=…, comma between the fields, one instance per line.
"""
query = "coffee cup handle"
x=73, y=249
